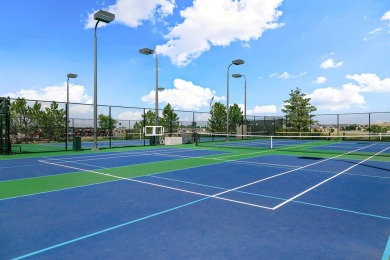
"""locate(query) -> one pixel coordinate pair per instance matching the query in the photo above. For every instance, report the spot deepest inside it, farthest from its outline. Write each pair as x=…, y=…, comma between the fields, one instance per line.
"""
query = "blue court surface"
x=197, y=203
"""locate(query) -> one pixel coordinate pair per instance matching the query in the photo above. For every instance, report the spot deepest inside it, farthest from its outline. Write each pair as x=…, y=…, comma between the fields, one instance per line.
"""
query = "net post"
x=271, y=142
x=144, y=127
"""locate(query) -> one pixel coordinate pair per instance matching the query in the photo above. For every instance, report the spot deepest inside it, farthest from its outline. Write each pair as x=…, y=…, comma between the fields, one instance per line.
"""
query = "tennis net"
x=359, y=144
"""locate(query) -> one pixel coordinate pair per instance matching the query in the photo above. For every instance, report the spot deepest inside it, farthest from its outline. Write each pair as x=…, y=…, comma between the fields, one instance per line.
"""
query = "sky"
x=336, y=52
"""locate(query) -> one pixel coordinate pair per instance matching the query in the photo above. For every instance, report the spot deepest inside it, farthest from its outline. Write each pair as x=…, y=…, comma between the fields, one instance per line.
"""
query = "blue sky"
x=337, y=52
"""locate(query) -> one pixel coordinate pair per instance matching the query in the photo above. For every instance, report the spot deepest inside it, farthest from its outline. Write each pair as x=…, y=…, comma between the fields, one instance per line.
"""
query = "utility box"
x=76, y=143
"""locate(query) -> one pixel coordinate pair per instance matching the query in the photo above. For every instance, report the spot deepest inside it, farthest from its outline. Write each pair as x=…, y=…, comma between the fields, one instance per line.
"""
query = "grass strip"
x=16, y=188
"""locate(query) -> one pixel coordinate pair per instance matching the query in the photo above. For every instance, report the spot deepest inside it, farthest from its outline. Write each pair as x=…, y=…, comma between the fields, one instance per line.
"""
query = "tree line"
x=29, y=123
x=49, y=122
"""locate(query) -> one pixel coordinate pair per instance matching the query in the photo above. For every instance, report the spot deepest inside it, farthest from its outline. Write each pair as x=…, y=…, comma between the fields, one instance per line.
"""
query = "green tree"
x=138, y=126
x=297, y=110
x=378, y=129
x=20, y=120
x=217, y=120
x=53, y=121
x=235, y=117
x=170, y=119
x=148, y=118
x=36, y=116
x=107, y=123
x=351, y=127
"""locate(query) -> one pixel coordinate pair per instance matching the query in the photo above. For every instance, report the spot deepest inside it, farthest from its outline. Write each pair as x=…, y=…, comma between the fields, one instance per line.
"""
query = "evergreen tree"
x=148, y=118
x=170, y=119
x=53, y=122
x=297, y=110
x=236, y=117
x=20, y=121
x=105, y=122
x=217, y=120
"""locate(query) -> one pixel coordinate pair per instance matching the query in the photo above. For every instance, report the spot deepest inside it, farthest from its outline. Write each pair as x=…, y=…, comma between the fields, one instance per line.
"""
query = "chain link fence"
x=40, y=126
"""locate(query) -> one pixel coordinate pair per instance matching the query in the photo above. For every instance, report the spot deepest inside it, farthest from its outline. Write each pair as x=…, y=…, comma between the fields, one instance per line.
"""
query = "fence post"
x=144, y=127
x=274, y=126
x=110, y=124
x=66, y=126
x=369, y=126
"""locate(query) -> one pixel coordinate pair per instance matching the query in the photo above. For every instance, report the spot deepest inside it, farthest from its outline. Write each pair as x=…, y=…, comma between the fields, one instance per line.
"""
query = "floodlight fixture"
x=238, y=62
x=104, y=16
x=72, y=76
x=161, y=89
x=146, y=51
x=237, y=75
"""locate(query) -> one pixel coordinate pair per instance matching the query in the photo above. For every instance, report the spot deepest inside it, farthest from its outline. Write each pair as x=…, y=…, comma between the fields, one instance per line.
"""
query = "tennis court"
x=191, y=201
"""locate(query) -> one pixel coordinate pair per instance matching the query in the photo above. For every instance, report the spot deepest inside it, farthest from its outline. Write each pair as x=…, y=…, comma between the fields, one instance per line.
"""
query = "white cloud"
x=132, y=13
x=375, y=31
x=335, y=99
x=129, y=115
x=371, y=83
x=185, y=96
x=330, y=63
x=261, y=110
x=320, y=80
x=77, y=94
x=218, y=23
x=350, y=94
x=386, y=16
x=286, y=75
x=202, y=117
x=81, y=111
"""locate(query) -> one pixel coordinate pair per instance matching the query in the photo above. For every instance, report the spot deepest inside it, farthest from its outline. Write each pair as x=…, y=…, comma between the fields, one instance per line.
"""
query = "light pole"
x=70, y=76
x=239, y=76
x=147, y=51
x=235, y=62
x=106, y=17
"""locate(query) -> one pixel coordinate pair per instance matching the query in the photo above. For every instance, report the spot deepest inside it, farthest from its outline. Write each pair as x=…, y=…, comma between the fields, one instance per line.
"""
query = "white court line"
x=80, y=162
x=216, y=196
x=258, y=163
x=283, y=173
x=319, y=184
x=94, y=158
x=159, y=185
x=238, y=155
x=110, y=154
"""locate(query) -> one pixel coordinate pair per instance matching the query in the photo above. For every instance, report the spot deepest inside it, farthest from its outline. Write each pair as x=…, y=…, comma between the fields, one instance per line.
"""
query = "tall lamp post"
x=70, y=76
x=147, y=51
x=239, y=76
x=106, y=17
x=234, y=62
